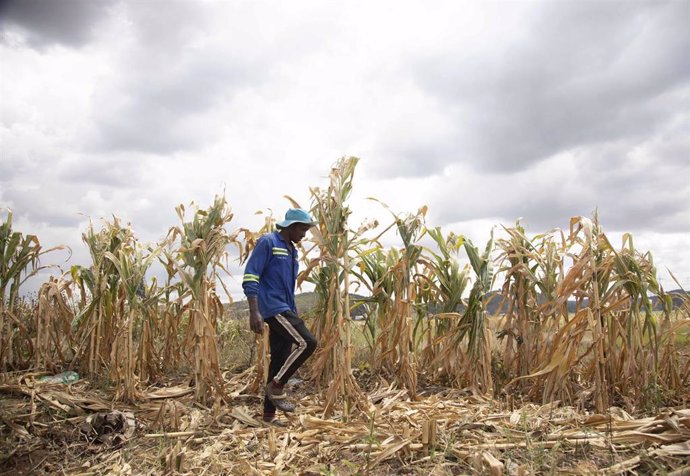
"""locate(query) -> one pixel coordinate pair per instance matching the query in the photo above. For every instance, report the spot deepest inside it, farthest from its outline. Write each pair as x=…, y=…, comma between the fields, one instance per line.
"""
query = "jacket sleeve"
x=255, y=267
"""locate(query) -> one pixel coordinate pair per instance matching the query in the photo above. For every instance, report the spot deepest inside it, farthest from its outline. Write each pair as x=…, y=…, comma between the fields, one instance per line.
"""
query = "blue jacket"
x=270, y=274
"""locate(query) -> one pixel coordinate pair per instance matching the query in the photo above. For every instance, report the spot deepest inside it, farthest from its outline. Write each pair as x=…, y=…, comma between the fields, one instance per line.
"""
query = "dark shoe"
x=276, y=394
x=273, y=421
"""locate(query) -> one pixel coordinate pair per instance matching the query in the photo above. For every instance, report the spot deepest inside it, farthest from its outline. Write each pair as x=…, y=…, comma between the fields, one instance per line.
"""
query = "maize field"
x=529, y=354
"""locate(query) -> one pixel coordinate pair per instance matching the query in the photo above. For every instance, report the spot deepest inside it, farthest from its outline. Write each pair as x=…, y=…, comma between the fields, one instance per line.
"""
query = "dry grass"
x=46, y=429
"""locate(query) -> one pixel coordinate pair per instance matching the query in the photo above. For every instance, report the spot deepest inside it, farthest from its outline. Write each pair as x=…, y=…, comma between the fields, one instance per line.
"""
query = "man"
x=269, y=284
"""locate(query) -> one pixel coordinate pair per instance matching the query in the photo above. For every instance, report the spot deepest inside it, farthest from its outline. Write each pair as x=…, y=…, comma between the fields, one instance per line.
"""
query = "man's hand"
x=256, y=322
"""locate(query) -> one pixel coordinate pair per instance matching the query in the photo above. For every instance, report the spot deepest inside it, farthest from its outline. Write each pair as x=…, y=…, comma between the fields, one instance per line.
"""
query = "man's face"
x=298, y=231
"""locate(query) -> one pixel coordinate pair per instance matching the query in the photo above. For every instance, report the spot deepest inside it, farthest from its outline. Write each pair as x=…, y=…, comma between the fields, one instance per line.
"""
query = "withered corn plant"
x=198, y=259
x=532, y=269
x=465, y=349
x=562, y=365
x=55, y=343
x=674, y=358
x=172, y=313
x=371, y=271
x=636, y=338
x=116, y=326
x=134, y=358
x=594, y=278
x=148, y=327
x=442, y=286
x=395, y=339
x=19, y=260
x=330, y=274
x=609, y=351
x=95, y=325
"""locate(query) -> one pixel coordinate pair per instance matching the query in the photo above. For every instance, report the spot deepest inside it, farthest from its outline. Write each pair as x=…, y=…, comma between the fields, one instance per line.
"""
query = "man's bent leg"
x=290, y=326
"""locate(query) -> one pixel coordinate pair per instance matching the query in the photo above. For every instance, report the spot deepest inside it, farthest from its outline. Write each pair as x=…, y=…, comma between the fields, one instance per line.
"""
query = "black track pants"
x=286, y=329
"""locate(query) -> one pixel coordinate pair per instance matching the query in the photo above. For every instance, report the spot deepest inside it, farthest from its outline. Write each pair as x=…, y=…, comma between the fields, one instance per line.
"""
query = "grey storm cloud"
x=585, y=73
x=413, y=158
x=633, y=190
x=166, y=27
x=45, y=22
x=104, y=171
x=541, y=207
x=51, y=206
x=158, y=97
x=159, y=110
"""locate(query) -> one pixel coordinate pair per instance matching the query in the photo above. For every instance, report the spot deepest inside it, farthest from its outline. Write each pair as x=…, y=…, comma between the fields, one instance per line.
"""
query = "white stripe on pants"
x=301, y=346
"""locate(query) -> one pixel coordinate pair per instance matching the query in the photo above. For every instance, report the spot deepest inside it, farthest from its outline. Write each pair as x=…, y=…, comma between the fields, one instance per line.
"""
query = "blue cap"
x=296, y=215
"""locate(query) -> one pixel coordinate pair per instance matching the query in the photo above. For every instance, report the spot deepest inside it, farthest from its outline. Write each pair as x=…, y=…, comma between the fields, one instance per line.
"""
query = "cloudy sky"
x=485, y=111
